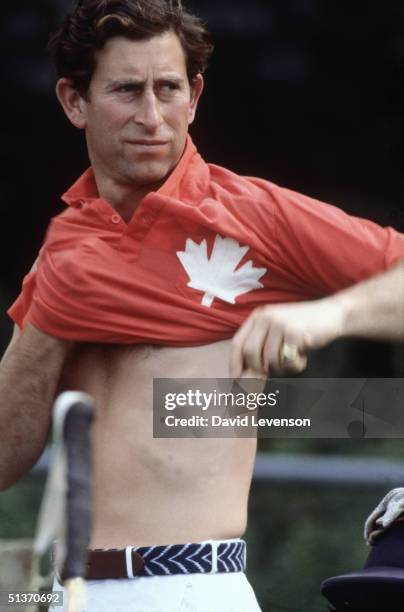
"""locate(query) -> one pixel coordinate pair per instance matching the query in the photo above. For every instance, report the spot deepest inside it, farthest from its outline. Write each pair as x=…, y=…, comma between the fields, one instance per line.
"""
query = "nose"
x=148, y=112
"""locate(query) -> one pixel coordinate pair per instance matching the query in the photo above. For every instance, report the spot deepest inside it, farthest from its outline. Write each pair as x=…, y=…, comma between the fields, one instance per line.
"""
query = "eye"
x=170, y=86
x=124, y=88
x=129, y=88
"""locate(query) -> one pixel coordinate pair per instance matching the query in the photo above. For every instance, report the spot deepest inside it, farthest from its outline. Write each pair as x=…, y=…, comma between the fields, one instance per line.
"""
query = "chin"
x=151, y=175
x=148, y=179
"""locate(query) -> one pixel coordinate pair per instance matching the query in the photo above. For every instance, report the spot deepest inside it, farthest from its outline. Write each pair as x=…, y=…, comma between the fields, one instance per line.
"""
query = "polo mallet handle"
x=76, y=435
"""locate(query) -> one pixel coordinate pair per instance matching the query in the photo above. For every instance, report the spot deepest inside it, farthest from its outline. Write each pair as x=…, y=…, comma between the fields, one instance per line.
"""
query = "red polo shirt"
x=196, y=258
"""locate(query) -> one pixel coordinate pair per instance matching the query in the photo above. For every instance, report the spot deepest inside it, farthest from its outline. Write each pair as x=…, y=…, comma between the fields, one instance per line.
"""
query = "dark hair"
x=73, y=47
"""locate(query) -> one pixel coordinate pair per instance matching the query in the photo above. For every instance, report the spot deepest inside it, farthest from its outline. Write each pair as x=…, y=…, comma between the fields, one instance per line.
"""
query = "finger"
x=283, y=357
x=236, y=353
x=253, y=347
x=254, y=375
x=270, y=352
x=293, y=357
x=295, y=366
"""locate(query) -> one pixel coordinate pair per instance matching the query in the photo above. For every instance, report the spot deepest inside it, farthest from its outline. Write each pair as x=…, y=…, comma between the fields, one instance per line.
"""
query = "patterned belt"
x=205, y=558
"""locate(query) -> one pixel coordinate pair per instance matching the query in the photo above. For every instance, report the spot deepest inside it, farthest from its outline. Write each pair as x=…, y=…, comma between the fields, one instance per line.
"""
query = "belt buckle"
x=133, y=569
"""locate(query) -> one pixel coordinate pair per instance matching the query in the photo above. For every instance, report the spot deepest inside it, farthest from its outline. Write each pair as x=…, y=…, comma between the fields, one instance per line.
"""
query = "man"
x=165, y=266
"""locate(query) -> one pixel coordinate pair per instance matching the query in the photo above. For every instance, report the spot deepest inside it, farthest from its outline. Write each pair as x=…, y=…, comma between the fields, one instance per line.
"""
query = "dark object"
x=78, y=509
x=379, y=587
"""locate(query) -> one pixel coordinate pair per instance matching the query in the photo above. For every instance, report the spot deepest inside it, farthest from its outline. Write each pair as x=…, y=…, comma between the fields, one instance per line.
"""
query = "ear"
x=196, y=92
x=72, y=102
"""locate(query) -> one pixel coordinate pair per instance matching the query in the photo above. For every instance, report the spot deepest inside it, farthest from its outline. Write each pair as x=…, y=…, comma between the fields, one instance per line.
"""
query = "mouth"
x=147, y=143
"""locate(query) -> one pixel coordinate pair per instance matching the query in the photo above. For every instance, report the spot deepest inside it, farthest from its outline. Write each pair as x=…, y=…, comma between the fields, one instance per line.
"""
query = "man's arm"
x=372, y=309
x=29, y=374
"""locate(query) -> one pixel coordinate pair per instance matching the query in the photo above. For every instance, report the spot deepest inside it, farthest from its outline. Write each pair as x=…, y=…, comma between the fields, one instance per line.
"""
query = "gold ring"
x=289, y=352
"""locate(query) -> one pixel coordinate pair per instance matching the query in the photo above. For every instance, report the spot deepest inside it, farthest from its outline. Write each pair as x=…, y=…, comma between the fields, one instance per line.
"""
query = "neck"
x=123, y=198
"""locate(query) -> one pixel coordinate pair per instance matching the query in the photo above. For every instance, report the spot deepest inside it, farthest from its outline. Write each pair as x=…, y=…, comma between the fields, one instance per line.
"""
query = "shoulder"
x=259, y=190
x=238, y=184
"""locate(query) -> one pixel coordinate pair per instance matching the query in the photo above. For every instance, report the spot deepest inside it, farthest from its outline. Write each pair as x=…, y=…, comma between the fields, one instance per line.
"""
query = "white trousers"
x=184, y=593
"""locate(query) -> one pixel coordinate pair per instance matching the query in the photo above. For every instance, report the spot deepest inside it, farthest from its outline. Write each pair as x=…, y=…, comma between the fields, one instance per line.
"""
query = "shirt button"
x=146, y=219
x=115, y=219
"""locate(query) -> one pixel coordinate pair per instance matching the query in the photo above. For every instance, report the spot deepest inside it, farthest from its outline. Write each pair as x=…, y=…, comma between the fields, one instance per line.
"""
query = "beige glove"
x=390, y=509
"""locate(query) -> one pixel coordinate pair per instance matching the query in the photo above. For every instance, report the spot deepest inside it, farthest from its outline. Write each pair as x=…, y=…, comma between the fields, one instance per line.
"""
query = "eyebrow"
x=139, y=82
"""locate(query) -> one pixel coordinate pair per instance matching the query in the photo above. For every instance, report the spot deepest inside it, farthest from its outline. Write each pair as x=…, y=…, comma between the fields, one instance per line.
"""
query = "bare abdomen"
x=158, y=491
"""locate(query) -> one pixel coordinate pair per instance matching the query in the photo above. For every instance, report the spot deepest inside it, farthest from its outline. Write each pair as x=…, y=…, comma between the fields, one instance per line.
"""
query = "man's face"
x=138, y=109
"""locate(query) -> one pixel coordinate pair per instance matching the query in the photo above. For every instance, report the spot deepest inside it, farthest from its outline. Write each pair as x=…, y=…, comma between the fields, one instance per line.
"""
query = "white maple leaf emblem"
x=217, y=276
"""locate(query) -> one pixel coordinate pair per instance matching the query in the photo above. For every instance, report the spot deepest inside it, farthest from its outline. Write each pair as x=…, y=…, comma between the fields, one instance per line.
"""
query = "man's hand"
x=276, y=339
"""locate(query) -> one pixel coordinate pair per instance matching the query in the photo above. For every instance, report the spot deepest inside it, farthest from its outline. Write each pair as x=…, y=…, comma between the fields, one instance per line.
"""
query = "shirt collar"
x=84, y=190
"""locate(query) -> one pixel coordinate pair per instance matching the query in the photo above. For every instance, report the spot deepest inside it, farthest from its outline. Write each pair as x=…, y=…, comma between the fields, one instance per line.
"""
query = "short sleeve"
x=324, y=248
